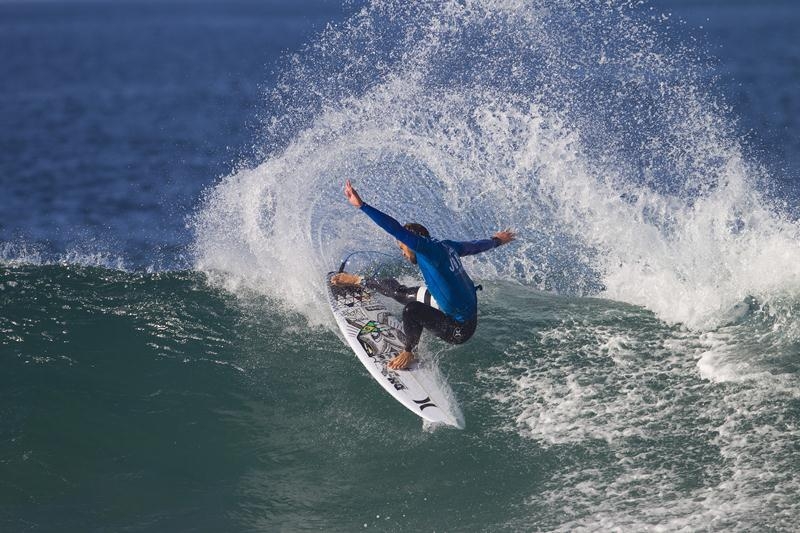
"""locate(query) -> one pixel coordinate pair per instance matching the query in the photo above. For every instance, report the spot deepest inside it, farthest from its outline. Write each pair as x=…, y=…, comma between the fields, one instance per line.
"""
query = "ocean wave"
x=579, y=124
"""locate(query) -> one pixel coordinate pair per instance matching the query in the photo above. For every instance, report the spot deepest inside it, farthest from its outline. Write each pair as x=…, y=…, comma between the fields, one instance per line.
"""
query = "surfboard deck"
x=376, y=337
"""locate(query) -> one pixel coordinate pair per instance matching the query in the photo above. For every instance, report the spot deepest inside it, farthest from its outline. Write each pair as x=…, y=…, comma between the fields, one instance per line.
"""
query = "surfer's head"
x=416, y=229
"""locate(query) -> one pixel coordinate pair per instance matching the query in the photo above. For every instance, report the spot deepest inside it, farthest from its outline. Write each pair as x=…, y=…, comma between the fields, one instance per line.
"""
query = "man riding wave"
x=448, y=307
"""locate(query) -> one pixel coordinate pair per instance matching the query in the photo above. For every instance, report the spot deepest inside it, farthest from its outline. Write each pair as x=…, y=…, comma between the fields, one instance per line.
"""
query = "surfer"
x=448, y=307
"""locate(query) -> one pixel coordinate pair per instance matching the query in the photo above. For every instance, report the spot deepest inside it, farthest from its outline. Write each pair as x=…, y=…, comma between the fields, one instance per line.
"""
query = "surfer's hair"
x=417, y=229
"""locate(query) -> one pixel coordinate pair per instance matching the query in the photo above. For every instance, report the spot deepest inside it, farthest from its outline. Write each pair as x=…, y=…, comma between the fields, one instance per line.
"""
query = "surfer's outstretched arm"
x=387, y=223
x=475, y=247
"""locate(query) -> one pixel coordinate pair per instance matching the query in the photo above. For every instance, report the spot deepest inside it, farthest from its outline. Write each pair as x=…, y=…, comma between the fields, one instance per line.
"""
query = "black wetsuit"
x=419, y=315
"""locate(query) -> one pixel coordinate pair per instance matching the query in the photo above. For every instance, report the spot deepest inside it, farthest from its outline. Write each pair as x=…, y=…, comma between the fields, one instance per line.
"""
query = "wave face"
x=583, y=125
x=153, y=401
x=595, y=132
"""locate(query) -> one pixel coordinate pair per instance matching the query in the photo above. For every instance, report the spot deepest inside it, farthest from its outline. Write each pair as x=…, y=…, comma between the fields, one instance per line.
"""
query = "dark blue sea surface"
x=116, y=115
x=171, y=177
x=755, y=48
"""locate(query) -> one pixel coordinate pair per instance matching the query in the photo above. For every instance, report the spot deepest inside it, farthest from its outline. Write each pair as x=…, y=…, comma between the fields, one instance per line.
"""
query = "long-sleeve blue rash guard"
x=440, y=265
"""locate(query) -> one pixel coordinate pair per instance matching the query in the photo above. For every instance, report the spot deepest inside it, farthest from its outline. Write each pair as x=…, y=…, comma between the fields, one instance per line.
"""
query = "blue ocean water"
x=116, y=115
x=172, y=177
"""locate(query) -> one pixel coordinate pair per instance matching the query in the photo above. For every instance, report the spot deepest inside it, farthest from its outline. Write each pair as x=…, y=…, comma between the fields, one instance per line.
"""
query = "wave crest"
x=582, y=125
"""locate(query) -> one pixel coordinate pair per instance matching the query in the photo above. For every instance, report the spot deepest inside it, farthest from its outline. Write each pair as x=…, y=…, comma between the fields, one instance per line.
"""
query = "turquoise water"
x=153, y=402
x=173, y=177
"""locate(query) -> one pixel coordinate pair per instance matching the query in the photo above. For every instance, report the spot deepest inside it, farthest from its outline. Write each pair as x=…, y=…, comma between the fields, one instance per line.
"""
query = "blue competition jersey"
x=439, y=262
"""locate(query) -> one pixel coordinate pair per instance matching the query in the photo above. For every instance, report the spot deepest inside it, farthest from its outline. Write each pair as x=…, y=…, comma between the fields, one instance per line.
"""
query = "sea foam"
x=583, y=126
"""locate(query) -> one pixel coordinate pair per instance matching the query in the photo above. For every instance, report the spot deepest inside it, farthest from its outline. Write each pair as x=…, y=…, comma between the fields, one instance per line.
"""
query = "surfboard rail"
x=376, y=336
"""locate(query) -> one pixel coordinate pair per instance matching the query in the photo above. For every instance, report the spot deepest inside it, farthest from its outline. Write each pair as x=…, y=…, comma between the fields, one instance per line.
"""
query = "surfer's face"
x=407, y=253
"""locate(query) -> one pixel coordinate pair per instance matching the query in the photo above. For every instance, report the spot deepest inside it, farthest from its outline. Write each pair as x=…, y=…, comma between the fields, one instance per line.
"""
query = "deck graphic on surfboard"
x=376, y=336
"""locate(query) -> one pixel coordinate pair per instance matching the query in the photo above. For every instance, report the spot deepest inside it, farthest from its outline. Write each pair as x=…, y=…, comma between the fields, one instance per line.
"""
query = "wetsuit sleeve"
x=394, y=228
x=474, y=247
x=393, y=289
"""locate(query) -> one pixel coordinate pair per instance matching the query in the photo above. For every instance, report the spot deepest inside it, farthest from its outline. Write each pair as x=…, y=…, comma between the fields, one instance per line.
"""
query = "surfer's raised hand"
x=352, y=195
x=505, y=236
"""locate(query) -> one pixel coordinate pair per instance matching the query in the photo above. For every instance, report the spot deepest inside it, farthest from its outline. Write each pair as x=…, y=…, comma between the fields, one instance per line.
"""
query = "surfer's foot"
x=344, y=278
x=402, y=361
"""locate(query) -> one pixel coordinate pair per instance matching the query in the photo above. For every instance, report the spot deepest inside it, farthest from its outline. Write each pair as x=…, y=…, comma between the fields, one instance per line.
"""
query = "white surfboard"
x=376, y=336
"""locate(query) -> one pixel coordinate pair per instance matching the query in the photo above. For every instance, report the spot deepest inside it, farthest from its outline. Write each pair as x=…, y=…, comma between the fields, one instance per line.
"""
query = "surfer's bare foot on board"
x=402, y=361
x=343, y=278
